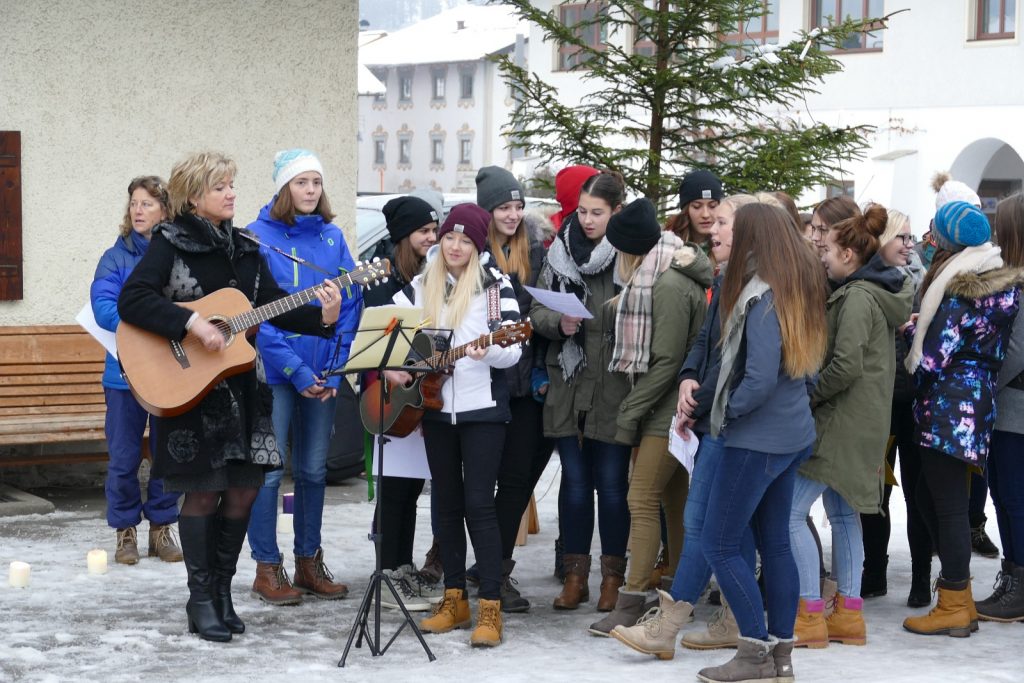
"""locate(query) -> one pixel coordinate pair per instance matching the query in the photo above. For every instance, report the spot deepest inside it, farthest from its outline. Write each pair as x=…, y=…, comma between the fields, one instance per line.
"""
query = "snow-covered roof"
x=486, y=29
x=367, y=83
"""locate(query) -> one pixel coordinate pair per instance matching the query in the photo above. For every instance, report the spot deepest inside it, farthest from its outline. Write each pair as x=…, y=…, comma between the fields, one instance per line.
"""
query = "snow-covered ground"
x=129, y=625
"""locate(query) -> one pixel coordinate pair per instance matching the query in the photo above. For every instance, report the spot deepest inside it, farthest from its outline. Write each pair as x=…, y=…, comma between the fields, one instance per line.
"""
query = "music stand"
x=380, y=338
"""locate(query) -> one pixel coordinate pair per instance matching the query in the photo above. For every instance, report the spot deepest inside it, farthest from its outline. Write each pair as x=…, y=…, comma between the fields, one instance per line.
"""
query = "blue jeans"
x=693, y=571
x=847, y=540
x=309, y=421
x=751, y=488
x=124, y=426
x=1006, y=480
x=604, y=467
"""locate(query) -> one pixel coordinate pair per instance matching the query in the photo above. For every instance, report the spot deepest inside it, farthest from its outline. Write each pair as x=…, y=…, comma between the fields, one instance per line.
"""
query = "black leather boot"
x=227, y=546
x=196, y=545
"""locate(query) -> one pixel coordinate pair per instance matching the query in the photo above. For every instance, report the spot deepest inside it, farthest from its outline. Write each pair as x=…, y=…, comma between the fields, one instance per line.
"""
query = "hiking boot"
x=162, y=543
x=810, y=630
x=489, y=630
x=629, y=607
x=1009, y=606
x=846, y=623
x=613, y=576
x=722, y=632
x=950, y=617
x=449, y=614
x=576, y=589
x=753, y=663
x=431, y=568
x=999, y=586
x=982, y=544
x=511, y=600
x=406, y=592
x=655, y=632
x=312, y=576
x=127, y=546
x=272, y=585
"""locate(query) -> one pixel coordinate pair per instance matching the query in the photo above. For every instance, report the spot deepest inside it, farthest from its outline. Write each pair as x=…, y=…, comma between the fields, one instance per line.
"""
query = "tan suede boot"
x=810, y=630
x=162, y=543
x=449, y=614
x=613, y=576
x=575, y=589
x=721, y=633
x=950, y=617
x=846, y=623
x=655, y=633
x=489, y=630
x=312, y=576
x=272, y=585
x=127, y=546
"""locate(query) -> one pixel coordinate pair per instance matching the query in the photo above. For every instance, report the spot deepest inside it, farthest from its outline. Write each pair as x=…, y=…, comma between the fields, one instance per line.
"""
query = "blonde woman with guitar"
x=218, y=449
x=460, y=290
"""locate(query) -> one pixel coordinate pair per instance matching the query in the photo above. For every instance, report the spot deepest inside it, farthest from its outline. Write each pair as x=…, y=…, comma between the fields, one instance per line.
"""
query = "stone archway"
x=992, y=167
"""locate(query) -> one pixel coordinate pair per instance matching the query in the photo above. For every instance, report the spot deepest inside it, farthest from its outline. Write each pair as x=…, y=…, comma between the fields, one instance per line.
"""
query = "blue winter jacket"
x=114, y=267
x=294, y=358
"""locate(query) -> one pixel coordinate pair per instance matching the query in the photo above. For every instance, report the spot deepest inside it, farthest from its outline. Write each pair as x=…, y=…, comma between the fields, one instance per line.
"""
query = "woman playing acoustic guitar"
x=217, y=452
x=455, y=289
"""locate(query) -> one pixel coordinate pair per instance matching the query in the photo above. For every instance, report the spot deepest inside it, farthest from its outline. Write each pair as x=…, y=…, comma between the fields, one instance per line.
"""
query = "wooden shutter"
x=10, y=216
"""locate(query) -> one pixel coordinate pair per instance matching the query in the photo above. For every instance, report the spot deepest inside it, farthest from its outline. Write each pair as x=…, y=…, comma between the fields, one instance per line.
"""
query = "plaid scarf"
x=633, y=314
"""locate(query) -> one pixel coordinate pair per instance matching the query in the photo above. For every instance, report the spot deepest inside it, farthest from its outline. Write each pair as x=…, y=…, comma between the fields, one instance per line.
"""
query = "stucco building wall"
x=104, y=91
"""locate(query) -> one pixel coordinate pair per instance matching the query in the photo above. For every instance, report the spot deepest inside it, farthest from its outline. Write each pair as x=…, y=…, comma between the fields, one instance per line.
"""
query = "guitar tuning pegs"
x=384, y=279
x=376, y=259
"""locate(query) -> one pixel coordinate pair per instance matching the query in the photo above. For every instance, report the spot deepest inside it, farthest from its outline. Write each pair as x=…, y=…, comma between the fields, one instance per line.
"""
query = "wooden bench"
x=50, y=393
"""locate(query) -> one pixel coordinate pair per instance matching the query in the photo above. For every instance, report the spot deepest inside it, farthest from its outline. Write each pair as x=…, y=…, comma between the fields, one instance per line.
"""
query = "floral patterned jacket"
x=954, y=405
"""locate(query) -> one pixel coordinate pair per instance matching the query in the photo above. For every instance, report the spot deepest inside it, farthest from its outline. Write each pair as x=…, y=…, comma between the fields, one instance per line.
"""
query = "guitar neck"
x=448, y=358
x=252, y=318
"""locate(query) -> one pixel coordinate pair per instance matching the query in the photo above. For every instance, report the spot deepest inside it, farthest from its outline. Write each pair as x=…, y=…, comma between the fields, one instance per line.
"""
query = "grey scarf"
x=732, y=339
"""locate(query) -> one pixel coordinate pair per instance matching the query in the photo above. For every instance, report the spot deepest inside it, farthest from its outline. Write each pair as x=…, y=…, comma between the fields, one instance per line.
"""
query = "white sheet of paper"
x=87, y=320
x=683, y=451
x=404, y=457
x=561, y=302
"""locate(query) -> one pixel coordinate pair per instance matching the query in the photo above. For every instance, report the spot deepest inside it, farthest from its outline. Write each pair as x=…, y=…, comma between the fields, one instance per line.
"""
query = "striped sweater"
x=477, y=391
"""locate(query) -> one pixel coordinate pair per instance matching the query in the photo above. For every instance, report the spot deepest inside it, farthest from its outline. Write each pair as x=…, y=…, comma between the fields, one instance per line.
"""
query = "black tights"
x=234, y=503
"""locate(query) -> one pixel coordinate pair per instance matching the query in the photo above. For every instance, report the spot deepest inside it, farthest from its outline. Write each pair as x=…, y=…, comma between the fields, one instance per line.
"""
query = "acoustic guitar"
x=170, y=377
x=404, y=405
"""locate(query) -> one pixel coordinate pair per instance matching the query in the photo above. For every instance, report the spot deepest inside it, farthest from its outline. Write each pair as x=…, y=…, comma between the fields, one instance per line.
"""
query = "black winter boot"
x=196, y=545
x=511, y=601
x=920, y=586
x=227, y=546
x=873, y=582
x=1010, y=605
x=982, y=544
x=1000, y=585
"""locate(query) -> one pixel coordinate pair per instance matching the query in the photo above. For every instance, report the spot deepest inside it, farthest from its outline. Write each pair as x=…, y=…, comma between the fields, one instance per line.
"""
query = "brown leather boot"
x=432, y=569
x=575, y=589
x=950, y=617
x=312, y=576
x=613, y=576
x=127, y=546
x=272, y=585
x=162, y=543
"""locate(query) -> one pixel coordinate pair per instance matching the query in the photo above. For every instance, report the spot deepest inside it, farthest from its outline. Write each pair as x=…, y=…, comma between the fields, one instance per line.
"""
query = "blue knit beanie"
x=959, y=225
x=292, y=162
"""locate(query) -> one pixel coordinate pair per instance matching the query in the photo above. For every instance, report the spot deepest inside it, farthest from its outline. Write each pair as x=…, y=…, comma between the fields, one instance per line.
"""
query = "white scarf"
x=979, y=259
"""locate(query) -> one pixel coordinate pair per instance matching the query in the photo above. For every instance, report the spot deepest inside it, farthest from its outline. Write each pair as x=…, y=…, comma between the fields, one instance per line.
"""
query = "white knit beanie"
x=291, y=162
x=948, y=190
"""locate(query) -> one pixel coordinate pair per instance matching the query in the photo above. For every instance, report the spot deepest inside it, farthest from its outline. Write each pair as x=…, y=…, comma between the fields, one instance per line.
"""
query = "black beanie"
x=495, y=186
x=635, y=228
x=406, y=215
x=699, y=185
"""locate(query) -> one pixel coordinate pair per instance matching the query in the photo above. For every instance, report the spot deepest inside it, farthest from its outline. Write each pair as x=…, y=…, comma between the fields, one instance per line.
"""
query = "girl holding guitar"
x=459, y=289
x=218, y=451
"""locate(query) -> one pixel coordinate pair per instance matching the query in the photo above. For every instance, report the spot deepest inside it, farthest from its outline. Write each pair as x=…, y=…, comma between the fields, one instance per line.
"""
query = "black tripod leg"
x=359, y=624
x=409, y=621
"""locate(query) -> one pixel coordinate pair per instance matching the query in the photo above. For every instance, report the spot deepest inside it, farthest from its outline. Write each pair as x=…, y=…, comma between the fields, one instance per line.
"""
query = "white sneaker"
x=412, y=601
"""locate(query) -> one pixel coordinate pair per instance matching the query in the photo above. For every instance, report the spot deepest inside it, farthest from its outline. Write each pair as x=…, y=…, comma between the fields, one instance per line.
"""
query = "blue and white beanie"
x=959, y=225
x=292, y=162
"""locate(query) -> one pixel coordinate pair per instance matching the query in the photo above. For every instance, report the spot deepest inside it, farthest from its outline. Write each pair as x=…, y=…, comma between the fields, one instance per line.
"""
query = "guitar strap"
x=493, y=307
x=295, y=259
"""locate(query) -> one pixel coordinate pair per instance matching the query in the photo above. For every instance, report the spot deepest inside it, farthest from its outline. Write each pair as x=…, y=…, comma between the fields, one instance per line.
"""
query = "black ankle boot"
x=228, y=544
x=1009, y=606
x=196, y=541
x=873, y=583
x=511, y=600
x=920, y=590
